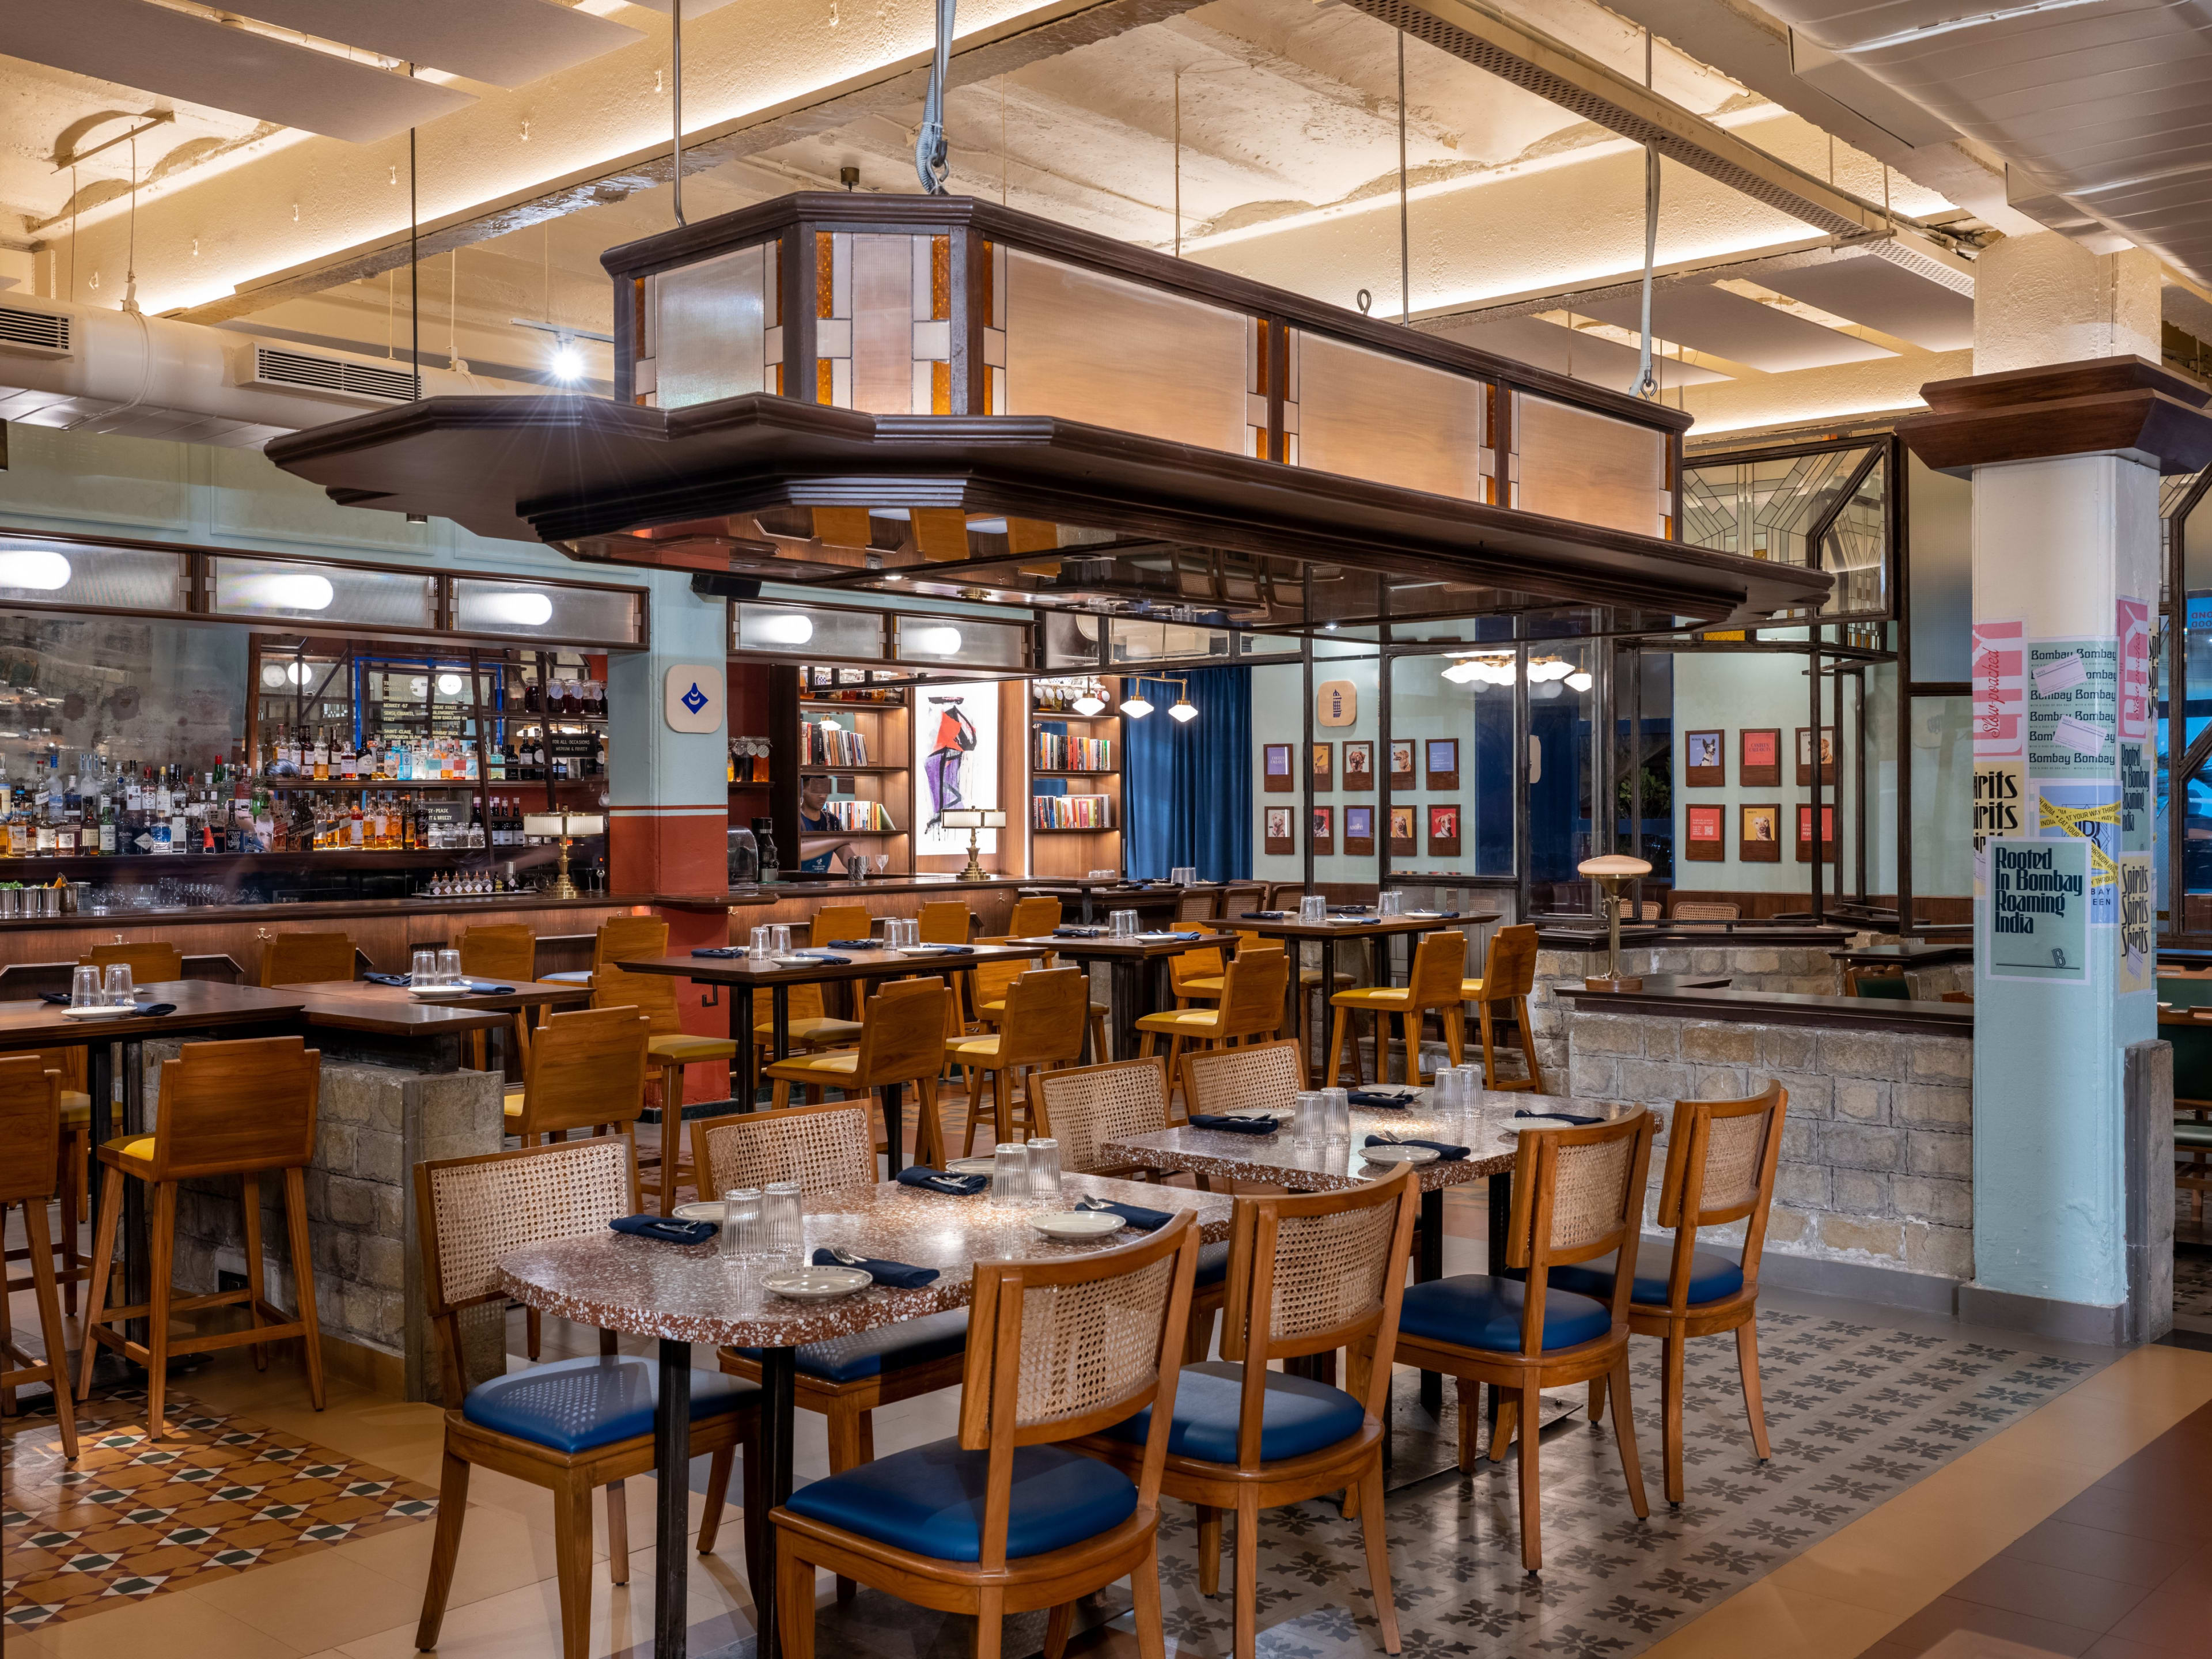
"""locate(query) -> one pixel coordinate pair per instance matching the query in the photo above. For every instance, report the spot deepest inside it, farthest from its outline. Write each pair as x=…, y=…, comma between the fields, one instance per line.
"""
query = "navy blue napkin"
x=1172, y=932
x=897, y=1274
x=946, y=949
x=153, y=1009
x=1070, y=931
x=936, y=1181
x=1236, y=1125
x=1441, y=915
x=1144, y=1220
x=720, y=951
x=1570, y=1117
x=59, y=998
x=1443, y=1149
x=856, y=944
x=484, y=988
x=401, y=981
x=1267, y=915
x=665, y=1228
x=1371, y=1099
x=1351, y=909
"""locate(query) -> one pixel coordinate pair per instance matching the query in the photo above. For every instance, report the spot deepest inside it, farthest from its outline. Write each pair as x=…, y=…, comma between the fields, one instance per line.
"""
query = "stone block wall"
x=1877, y=1151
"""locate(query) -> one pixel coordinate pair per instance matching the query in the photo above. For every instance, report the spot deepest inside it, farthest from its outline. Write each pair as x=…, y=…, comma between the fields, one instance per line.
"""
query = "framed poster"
x=1703, y=767
x=1805, y=754
x=1758, y=833
x=1402, y=763
x=1276, y=776
x=1324, y=767
x=1359, y=831
x=1705, y=840
x=960, y=767
x=1358, y=769
x=1278, y=836
x=1401, y=831
x=1805, y=834
x=1758, y=758
x=1442, y=754
x=1444, y=830
x=1324, y=831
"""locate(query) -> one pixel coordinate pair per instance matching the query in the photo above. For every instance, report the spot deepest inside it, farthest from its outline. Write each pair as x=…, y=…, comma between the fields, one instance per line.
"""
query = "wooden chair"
x=1251, y=1006
x=1238, y=896
x=1039, y=913
x=812, y=1027
x=30, y=1149
x=1051, y=1525
x=1577, y=1194
x=72, y=1174
x=305, y=958
x=622, y=938
x=1433, y=986
x=506, y=954
x=1041, y=1026
x=903, y=1041
x=1308, y=1273
x=1509, y=975
x=1721, y=1157
x=572, y=1426
x=151, y=962
x=1707, y=910
x=1229, y=1080
x=243, y=1109
x=989, y=984
x=668, y=1049
x=1194, y=905
x=946, y=923
x=1201, y=981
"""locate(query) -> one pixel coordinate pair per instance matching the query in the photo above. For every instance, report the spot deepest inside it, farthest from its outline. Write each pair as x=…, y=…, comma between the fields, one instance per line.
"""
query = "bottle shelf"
x=287, y=785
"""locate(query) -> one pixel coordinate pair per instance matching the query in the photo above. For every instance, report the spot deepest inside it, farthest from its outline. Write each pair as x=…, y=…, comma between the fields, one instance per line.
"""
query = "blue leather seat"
x=1475, y=1310
x=1712, y=1276
x=574, y=1405
x=1213, y=1263
x=1297, y=1415
x=887, y=1348
x=930, y=1500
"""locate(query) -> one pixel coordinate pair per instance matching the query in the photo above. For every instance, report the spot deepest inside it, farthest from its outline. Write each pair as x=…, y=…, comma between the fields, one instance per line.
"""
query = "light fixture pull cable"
x=1647, y=386
x=1405, y=254
x=675, y=97
x=929, y=146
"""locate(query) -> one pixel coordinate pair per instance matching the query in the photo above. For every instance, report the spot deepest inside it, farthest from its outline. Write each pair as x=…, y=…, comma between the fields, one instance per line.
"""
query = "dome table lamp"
x=564, y=824
x=974, y=819
x=1610, y=872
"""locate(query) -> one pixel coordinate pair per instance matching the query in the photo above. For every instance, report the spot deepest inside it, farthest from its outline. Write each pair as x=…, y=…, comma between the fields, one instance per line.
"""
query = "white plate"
x=1519, y=1124
x=798, y=961
x=1077, y=1224
x=982, y=1166
x=1400, y=1154
x=708, y=1212
x=816, y=1284
x=921, y=949
x=1272, y=1113
x=433, y=993
x=99, y=1013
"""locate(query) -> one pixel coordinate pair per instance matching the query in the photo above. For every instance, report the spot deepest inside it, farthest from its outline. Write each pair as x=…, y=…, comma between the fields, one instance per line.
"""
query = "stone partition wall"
x=1877, y=1153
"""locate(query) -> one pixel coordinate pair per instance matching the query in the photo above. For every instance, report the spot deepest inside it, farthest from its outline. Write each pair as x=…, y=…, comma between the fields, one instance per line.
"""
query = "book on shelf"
x=833, y=745
x=1072, y=811
x=858, y=815
x=1058, y=752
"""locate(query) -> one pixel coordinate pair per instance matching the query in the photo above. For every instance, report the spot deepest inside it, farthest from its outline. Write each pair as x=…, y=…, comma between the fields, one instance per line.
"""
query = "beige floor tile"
x=179, y=1626
x=1767, y=1621
x=313, y=1602
x=498, y=1552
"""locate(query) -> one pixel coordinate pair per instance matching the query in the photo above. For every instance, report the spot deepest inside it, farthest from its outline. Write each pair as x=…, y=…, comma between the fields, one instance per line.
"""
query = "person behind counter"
x=818, y=847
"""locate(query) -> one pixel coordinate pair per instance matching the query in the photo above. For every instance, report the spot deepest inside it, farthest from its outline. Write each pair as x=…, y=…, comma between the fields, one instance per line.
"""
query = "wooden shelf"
x=1108, y=713
x=880, y=834
x=865, y=771
x=834, y=702
x=289, y=785
x=1039, y=772
x=1102, y=829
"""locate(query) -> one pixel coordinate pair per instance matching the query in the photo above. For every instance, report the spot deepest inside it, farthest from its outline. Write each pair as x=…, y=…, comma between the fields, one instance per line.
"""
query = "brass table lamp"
x=1611, y=872
x=973, y=820
x=565, y=824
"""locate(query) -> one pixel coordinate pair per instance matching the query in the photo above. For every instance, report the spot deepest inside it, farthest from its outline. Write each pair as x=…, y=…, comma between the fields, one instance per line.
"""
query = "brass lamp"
x=1609, y=873
x=973, y=820
x=564, y=824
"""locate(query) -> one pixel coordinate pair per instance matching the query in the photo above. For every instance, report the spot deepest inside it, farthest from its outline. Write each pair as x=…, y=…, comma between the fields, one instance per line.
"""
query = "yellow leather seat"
x=77, y=1108
x=970, y=1049
x=691, y=1049
x=826, y=1068
x=815, y=1030
x=1391, y=998
x=138, y=1148
x=1173, y=1021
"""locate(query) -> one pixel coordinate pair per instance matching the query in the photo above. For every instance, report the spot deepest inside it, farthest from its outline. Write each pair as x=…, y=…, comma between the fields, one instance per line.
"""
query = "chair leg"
x=1246, y=1614
x=572, y=1555
x=445, y=1549
x=533, y=1331
x=795, y=1600
x=1489, y=1024
x=1624, y=1430
x=760, y=1545
x=1596, y=1400
x=928, y=1128
x=618, y=1535
x=1375, y=1525
x=1532, y=1543
x=671, y=1132
x=717, y=1494
x=1670, y=1407
x=303, y=1275
x=1145, y=1592
x=844, y=1424
x=1057, y=1625
x=103, y=1258
x=1469, y=1393
x=1209, y=1551
x=1527, y=1044
x=1453, y=1018
x=74, y=1144
x=1508, y=1417
x=1335, y=1047
x=51, y=1334
x=164, y=1255
x=8, y=1330
x=1409, y=1023
x=249, y=1195
x=1098, y=1043
x=1747, y=1360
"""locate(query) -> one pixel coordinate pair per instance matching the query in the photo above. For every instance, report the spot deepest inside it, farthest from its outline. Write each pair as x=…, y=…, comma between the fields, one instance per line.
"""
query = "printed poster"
x=2073, y=706
x=2089, y=812
x=2000, y=797
x=2134, y=630
x=2138, y=925
x=2135, y=781
x=2039, y=910
x=1999, y=699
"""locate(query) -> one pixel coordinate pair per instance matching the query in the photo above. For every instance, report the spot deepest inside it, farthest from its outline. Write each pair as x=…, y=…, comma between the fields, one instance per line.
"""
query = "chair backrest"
x=1721, y=1159
x=1258, y=1074
x=69, y=1062
x=622, y=938
x=1286, y=895
x=1577, y=1194
x=1439, y=966
x=30, y=1129
x=248, y=1104
x=902, y=1037
x=1038, y=913
x=151, y=962
x=472, y=1211
x=820, y=1147
x=993, y=979
x=840, y=922
x=1238, y=896
x=1046, y=1010
x=1086, y=1106
x=587, y=1068
x=1198, y=904
x=1194, y=964
x=1707, y=910
x=652, y=995
x=507, y=952
x=1508, y=967
x=1062, y=1348
x=1310, y=1273
x=945, y=923
x=304, y=958
x=1252, y=993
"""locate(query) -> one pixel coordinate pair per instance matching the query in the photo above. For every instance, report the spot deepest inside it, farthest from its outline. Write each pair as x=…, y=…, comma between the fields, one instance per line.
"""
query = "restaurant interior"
x=1072, y=829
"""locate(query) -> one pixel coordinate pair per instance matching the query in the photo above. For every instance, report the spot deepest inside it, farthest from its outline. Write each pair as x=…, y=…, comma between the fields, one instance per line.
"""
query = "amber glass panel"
x=940, y=277
x=825, y=264
x=1368, y=416
x=940, y=388
x=710, y=336
x=1085, y=346
x=1587, y=467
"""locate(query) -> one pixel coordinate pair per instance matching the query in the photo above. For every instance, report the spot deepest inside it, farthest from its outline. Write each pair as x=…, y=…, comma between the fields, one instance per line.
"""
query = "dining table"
x=681, y=1295
x=1137, y=977
x=1370, y=929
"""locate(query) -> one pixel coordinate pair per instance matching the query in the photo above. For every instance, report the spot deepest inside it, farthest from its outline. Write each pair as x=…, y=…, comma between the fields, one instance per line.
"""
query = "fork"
x=848, y=1257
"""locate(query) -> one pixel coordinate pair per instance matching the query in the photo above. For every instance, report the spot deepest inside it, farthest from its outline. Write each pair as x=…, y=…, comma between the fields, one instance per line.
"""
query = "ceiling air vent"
x=277, y=370
x=33, y=333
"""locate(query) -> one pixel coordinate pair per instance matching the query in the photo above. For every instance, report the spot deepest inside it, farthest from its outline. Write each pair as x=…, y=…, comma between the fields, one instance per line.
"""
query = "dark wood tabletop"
x=875, y=962
x=200, y=1005
x=396, y=1014
x=1414, y=921
x=1912, y=953
x=1141, y=947
x=520, y=994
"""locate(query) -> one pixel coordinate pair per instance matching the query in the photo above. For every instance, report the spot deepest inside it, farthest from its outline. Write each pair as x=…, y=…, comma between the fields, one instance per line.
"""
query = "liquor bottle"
x=65, y=822
x=87, y=824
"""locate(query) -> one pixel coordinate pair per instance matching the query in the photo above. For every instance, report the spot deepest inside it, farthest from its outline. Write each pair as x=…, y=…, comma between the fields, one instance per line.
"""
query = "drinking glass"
x=118, y=991
x=764, y=943
x=1306, y=1121
x=424, y=969
x=449, y=967
x=1336, y=1121
x=905, y=931
x=1044, y=1167
x=1010, y=1173
x=741, y=1223
x=1183, y=875
x=1314, y=907
x=783, y=1220
x=1125, y=924
x=84, y=987
x=1391, y=903
x=779, y=937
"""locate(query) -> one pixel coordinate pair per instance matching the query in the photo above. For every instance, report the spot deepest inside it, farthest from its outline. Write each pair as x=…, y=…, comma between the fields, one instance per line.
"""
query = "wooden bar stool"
x=306, y=958
x=1041, y=1026
x=989, y=984
x=30, y=1141
x=240, y=1108
x=1251, y=1006
x=670, y=1048
x=1433, y=985
x=812, y=1027
x=151, y=962
x=1509, y=974
x=619, y=939
x=506, y=954
x=901, y=1042
x=72, y=1173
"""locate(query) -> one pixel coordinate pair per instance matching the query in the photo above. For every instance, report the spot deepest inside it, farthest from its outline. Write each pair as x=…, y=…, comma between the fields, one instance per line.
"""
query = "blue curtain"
x=1187, y=790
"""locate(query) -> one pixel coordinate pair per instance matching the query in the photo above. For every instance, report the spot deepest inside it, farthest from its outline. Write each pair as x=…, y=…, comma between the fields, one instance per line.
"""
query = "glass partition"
x=81, y=576
x=1368, y=416
x=323, y=594
x=712, y=330
x=1825, y=509
x=1942, y=761
x=607, y=615
x=1570, y=463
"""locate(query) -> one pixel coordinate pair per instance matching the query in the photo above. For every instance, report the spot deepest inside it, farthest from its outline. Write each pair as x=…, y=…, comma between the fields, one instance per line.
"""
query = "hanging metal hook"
x=929, y=146
x=676, y=90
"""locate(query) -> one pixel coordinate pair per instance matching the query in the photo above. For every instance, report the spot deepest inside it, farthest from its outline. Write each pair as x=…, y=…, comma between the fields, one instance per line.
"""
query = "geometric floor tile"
x=214, y=1496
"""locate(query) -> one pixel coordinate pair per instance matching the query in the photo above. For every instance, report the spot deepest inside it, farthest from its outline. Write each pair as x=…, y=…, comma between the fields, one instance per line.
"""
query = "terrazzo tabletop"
x=688, y=1293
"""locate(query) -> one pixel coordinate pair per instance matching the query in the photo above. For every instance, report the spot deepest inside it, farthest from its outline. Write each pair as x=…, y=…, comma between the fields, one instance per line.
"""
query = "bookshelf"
x=1075, y=756
x=859, y=732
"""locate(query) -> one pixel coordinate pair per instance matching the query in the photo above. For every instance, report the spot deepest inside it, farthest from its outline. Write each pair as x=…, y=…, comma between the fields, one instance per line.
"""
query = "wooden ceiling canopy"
x=936, y=395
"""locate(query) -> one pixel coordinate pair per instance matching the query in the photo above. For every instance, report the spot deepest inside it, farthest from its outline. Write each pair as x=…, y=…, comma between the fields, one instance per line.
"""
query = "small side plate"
x=1400, y=1154
x=982, y=1166
x=710, y=1210
x=99, y=1013
x=816, y=1284
x=437, y=992
x=1077, y=1225
x=1518, y=1124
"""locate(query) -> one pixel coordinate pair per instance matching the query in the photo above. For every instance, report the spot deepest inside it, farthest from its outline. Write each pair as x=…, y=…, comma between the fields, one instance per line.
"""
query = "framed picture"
x=1280, y=837
x=1758, y=833
x=1324, y=767
x=1805, y=754
x=1442, y=754
x=1705, y=835
x=1358, y=771
x=1324, y=831
x=1703, y=766
x=1358, y=828
x=1805, y=834
x=1444, y=830
x=1401, y=831
x=1402, y=763
x=1275, y=776
x=1758, y=758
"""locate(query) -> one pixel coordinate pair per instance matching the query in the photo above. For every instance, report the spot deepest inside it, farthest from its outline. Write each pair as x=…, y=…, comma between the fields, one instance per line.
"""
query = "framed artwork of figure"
x=1805, y=754
x=1401, y=831
x=1278, y=836
x=1402, y=763
x=1444, y=830
x=1324, y=767
x=1758, y=833
x=1358, y=770
x=1704, y=765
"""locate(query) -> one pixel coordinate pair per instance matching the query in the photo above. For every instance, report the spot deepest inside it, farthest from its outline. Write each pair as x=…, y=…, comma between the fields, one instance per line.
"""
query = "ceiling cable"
x=1178, y=164
x=1646, y=386
x=929, y=145
x=675, y=89
x=414, y=266
x=1405, y=254
x=130, y=257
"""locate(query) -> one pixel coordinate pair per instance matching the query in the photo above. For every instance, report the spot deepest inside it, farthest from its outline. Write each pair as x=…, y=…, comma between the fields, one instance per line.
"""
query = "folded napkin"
x=720, y=951
x=402, y=980
x=1171, y=932
x=473, y=987
x=1427, y=916
x=59, y=998
x=484, y=988
x=856, y=945
x=1144, y=1220
x=1235, y=1126
x=936, y=1181
x=1570, y=1117
x=1443, y=1149
x=153, y=1010
x=1067, y=931
x=897, y=1274
x=1267, y=915
x=665, y=1228
x=1384, y=1101
x=1351, y=909
x=943, y=949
